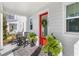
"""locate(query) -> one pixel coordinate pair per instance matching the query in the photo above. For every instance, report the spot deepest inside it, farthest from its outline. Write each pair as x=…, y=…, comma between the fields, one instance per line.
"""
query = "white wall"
x=56, y=25
x=22, y=20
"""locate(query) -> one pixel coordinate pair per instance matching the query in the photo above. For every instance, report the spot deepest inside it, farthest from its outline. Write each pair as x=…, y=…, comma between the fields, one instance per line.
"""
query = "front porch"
x=14, y=50
x=45, y=21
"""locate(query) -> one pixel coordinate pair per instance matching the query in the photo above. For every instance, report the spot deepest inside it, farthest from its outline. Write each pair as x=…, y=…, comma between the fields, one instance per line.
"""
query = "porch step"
x=11, y=54
x=8, y=49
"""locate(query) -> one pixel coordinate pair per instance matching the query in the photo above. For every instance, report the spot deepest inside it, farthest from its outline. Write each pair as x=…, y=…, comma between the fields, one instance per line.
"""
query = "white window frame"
x=12, y=23
x=65, y=18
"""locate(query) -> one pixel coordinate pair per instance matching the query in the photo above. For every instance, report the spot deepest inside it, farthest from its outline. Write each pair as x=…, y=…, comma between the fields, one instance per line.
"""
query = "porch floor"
x=29, y=51
x=25, y=51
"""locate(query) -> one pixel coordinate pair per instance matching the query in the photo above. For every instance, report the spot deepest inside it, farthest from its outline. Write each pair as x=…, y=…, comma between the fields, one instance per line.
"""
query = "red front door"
x=41, y=37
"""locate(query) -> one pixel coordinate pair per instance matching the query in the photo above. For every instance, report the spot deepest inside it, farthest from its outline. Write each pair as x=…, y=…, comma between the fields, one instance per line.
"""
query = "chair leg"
x=25, y=43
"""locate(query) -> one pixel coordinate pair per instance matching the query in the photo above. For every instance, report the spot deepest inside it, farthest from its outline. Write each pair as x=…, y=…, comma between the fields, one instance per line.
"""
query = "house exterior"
x=56, y=24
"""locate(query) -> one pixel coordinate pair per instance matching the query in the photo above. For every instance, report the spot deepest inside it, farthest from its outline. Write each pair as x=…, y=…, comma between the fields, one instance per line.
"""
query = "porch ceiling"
x=23, y=8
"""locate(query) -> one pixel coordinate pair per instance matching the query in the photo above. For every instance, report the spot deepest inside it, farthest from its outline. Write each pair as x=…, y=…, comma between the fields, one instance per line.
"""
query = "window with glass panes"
x=72, y=17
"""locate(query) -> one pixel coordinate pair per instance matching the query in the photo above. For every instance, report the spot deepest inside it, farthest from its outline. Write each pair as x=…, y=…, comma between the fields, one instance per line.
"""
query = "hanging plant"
x=44, y=23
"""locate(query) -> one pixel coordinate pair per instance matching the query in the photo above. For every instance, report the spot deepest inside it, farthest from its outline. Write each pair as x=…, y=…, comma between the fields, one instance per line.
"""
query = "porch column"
x=1, y=31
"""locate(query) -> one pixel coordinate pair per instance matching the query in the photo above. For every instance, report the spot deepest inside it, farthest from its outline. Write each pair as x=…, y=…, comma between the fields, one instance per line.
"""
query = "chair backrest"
x=26, y=34
x=19, y=34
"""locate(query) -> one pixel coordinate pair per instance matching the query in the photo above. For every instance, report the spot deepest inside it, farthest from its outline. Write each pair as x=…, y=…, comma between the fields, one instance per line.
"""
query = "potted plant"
x=32, y=38
x=53, y=47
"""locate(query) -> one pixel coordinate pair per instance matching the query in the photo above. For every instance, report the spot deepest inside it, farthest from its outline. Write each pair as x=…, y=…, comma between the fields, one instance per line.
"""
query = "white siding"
x=56, y=25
